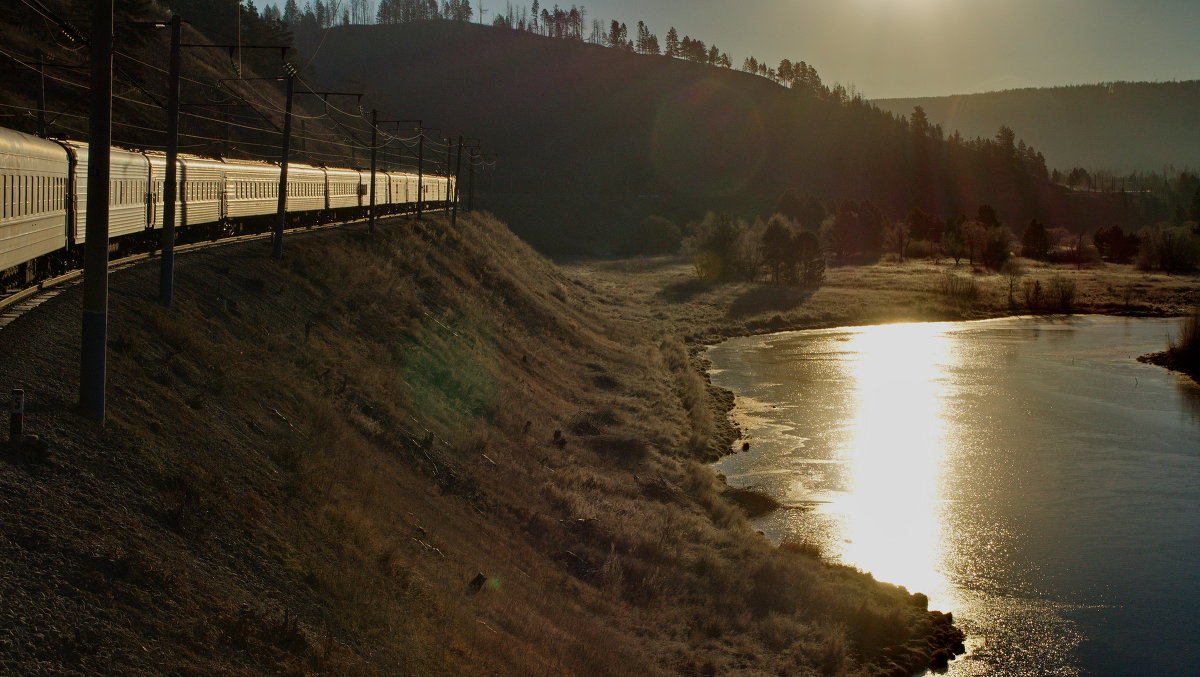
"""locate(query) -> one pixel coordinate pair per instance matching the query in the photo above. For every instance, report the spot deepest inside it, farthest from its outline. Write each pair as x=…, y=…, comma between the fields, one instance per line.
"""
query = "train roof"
x=17, y=143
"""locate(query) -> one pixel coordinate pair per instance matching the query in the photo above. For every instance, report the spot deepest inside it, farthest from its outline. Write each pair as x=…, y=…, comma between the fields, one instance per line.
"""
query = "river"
x=1027, y=474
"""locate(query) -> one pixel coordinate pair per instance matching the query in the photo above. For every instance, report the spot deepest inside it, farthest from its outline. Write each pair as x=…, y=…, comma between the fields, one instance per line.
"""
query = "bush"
x=711, y=248
x=961, y=290
x=997, y=247
x=1186, y=348
x=1168, y=248
x=1012, y=270
x=922, y=249
x=1034, y=295
x=1060, y=292
x=1056, y=296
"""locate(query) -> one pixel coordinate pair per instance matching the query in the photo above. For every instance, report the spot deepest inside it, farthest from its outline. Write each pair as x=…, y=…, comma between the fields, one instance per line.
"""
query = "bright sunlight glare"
x=894, y=453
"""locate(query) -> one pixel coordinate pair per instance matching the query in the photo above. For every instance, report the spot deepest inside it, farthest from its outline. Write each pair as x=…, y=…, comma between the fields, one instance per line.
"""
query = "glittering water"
x=1027, y=474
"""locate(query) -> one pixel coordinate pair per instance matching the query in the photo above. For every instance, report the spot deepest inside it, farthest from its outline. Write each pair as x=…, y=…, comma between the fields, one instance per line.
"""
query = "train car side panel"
x=306, y=188
x=345, y=188
x=128, y=191
x=201, y=190
x=252, y=189
x=33, y=194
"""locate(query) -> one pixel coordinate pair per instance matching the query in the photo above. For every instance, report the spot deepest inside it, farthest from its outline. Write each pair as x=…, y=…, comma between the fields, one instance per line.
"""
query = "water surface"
x=1027, y=474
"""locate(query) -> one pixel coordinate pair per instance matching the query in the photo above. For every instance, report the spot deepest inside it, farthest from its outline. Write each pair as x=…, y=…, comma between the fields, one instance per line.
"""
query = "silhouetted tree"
x=954, y=241
x=811, y=263
x=919, y=124
x=987, y=216
x=997, y=247
x=974, y=235
x=845, y=237
x=1035, y=241
x=672, y=46
x=777, y=252
x=1114, y=245
x=871, y=223
x=920, y=224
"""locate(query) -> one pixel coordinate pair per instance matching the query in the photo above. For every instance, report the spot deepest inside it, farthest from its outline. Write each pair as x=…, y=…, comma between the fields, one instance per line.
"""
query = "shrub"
x=1012, y=271
x=711, y=248
x=1056, y=296
x=1034, y=295
x=1186, y=348
x=922, y=249
x=1060, y=293
x=1168, y=248
x=963, y=291
x=997, y=247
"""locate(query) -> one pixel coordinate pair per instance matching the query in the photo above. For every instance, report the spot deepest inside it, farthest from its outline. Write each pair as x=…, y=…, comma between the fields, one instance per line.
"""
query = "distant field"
x=665, y=288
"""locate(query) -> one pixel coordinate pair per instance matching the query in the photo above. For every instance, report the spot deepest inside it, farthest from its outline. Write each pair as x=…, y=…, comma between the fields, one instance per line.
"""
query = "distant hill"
x=1122, y=126
x=595, y=139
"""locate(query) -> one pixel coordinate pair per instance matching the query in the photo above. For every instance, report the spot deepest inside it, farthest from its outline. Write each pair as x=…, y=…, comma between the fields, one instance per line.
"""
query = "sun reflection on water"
x=893, y=453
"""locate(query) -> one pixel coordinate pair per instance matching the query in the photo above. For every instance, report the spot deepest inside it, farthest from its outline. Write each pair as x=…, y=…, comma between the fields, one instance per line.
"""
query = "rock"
x=476, y=583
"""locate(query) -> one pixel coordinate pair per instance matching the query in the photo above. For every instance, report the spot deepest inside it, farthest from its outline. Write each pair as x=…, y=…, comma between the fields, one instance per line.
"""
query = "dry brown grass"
x=666, y=291
x=357, y=432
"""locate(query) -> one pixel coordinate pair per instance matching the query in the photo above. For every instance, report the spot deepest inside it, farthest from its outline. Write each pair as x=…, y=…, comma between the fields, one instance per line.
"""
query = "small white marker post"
x=16, y=420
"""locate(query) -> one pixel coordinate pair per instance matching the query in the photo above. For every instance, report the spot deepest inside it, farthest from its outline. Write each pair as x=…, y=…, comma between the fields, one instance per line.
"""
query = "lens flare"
x=708, y=139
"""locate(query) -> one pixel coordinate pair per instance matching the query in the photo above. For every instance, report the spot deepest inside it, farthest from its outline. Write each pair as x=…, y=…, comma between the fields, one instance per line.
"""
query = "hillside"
x=594, y=139
x=231, y=106
x=1122, y=126
x=428, y=452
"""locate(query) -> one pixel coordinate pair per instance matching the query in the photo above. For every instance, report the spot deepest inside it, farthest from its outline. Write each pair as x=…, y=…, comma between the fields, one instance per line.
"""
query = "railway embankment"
x=423, y=452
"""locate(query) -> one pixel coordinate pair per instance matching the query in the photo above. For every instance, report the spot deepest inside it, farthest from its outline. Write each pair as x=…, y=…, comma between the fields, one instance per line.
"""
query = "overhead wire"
x=354, y=142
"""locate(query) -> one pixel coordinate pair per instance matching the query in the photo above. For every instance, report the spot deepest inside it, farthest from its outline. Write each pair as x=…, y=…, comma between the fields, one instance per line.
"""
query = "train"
x=43, y=200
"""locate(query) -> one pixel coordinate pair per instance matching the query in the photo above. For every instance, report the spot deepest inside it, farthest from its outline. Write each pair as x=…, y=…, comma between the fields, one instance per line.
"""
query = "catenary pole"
x=448, y=149
x=166, y=277
x=471, y=182
x=420, y=171
x=454, y=187
x=374, y=142
x=41, y=95
x=281, y=204
x=95, y=253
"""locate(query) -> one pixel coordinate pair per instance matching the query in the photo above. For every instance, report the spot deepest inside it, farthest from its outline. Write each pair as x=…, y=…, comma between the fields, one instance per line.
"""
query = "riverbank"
x=665, y=289
x=1183, y=353
x=425, y=452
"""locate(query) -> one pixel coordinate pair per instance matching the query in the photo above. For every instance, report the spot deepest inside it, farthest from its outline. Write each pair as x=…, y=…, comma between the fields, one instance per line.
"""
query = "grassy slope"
x=306, y=464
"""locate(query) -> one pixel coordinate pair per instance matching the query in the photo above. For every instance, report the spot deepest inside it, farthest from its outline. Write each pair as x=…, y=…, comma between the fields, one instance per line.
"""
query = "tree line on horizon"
x=794, y=244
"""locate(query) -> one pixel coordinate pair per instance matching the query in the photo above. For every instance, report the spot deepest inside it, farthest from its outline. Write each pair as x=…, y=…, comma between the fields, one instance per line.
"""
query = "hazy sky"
x=895, y=48
x=902, y=48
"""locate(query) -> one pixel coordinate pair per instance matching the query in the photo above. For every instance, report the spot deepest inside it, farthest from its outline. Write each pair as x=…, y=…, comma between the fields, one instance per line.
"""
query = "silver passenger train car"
x=43, y=199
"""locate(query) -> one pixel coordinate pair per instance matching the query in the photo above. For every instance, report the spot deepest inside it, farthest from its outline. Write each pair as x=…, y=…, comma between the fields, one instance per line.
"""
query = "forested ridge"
x=1124, y=127
x=589, y=130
